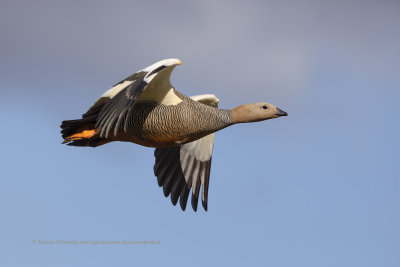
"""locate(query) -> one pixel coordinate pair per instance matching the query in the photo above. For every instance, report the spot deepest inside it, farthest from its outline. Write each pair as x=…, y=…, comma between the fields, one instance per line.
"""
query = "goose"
x=147, y=110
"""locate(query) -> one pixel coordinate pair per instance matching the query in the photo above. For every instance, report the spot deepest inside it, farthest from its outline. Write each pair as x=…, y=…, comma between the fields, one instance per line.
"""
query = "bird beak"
x=280, y=112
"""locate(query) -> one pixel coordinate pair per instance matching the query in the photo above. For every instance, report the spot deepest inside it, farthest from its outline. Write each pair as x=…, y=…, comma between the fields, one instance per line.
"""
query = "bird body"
x=145, y=109
x=159, y=125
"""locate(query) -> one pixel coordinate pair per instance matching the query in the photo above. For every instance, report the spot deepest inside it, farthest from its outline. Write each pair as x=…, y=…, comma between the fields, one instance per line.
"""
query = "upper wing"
x=90, y=118
x=206, y=99
x=120, y=105
x=179, y=169
x=119, y=101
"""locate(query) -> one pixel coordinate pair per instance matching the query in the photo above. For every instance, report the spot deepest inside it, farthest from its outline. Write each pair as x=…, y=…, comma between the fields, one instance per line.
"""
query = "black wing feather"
x=205, y=184
x=176, y=170
x=118, y=109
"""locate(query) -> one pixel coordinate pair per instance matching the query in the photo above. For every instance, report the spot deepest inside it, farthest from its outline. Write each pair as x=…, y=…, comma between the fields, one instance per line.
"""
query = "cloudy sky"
x=320, y=187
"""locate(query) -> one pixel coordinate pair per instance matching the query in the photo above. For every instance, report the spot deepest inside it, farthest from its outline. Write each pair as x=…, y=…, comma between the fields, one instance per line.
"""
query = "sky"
x=320, y=187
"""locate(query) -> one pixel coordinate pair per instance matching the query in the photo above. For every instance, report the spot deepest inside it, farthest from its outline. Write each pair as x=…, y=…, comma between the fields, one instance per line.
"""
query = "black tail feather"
x=92, y=142
x=71, y=127
x=88, y=122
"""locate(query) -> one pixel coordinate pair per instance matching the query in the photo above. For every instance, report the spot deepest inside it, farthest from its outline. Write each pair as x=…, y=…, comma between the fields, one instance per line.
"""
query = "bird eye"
x=264, y=107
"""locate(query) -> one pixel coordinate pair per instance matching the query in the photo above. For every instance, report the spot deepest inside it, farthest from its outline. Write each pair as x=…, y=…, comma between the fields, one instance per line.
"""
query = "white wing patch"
x=201, y=149
x=171, y=99
x=166, y=62
x=207, y=99
x=160, y=90
x=168, y=99
x=116, y=89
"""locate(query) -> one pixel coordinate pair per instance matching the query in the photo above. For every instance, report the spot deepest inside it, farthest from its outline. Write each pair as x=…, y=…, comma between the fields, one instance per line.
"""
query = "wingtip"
x=173, y=201
x=204, y=205
x=166, y=191
x=194, y=201
x=183, y=205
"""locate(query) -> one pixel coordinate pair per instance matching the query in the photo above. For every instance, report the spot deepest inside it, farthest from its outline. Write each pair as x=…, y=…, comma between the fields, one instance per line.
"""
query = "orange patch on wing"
x=84, y=134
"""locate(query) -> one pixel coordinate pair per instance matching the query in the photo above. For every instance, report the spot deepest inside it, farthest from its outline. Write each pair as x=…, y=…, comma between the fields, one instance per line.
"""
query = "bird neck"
x=238, y=114
x=225, y=117
x=210, y=119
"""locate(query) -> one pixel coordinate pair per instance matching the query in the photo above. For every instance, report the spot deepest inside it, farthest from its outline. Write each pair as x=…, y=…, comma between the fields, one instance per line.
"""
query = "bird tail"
x=82, y=132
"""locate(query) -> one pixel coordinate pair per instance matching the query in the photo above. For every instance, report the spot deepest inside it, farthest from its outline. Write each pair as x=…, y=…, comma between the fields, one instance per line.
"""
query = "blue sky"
x=317, y=188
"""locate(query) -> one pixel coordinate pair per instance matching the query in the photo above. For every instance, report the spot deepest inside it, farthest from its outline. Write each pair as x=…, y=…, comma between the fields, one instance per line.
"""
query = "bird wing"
x=181, y=168
x=123, y=97
x=119, y=101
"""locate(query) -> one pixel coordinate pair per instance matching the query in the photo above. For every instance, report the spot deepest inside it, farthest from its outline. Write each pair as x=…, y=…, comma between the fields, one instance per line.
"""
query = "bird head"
x=256, y=112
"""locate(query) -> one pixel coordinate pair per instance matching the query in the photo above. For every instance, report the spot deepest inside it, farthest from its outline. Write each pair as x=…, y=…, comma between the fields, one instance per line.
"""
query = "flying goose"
x=146, y=109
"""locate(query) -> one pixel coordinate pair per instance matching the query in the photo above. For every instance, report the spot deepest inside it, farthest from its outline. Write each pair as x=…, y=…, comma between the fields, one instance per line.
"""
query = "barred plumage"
x=154, y=123
x=145, y=109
